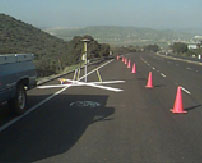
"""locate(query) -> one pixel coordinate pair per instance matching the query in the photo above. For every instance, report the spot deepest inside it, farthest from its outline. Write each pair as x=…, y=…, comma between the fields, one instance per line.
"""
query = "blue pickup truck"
x=17, y=75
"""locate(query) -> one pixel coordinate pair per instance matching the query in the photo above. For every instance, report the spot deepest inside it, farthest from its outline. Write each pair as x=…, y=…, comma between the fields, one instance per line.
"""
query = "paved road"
x=187, y=58
x=130, y=126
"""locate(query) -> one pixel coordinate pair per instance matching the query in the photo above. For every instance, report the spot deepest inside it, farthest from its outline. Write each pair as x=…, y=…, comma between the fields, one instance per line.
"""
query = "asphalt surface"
x=134, y=125
x=187, y=58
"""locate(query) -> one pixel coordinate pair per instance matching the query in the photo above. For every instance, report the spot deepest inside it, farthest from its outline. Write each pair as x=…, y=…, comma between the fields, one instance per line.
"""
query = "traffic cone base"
x=133, y=69
x=149, y=87
x=125, y=61
x=149, y=83
x=128, y=65
x=178, y=106
x=178, y=112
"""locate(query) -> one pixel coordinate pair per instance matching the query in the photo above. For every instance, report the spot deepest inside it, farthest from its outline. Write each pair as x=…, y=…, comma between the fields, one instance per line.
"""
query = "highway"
x=133, y=125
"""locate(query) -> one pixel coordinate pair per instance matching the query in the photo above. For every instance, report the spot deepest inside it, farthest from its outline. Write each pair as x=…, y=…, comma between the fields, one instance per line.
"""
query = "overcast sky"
x=82, y=13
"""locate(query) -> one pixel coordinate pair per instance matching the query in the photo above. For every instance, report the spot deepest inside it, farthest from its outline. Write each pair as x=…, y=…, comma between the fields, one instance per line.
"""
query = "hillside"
x=19, y=37
x=123, y=35
x=52, y=54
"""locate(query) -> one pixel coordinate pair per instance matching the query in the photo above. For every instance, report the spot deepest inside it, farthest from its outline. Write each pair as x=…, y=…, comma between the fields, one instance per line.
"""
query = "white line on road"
x=106, y=88
x=153, y=68
x=108, y=82
x=31, y=109
x=188, y=68
x=184, y=89
x=197, y=70
x=96, y=85
x=164, y=76
x=43, y=102
x=158, y=71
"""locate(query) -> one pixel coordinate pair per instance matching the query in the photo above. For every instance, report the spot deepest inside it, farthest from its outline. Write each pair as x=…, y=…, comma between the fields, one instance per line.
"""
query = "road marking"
x=158, y=71
x=91, y=84
x=153, y=68
x=91, y=104
x=184, y=89
x=197, y=70
x=77, y=83
x=56, y=86
x=164, y=76
x=106, y=88
x=108, y=82
x=31, y=109
x=188, y=68
x=13, y=121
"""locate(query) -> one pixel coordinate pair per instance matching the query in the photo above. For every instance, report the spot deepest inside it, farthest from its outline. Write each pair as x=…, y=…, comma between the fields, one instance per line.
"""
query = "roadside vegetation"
x=52, y=54
x=128, y=49
x=180, y=48
x=126, y=36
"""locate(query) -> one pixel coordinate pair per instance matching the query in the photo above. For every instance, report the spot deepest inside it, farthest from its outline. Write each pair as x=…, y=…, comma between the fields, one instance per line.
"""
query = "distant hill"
x=52, y=54
x=19, y=37
x=123, y=35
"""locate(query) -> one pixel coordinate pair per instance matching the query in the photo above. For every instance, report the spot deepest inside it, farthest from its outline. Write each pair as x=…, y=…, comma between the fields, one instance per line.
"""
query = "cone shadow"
x=192, y=107
x=159, y=85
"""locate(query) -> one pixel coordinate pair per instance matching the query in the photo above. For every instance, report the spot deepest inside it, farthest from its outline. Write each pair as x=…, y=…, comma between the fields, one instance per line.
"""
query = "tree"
x=179, y=47
x=199, y=44
x=153, y=48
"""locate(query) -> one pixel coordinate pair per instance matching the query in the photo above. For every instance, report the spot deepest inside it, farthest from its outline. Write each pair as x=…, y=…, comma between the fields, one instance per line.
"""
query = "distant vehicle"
x=17, y=75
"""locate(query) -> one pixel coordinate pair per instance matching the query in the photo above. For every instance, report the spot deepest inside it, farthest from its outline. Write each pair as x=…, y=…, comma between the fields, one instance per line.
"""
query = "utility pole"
x=85, y=56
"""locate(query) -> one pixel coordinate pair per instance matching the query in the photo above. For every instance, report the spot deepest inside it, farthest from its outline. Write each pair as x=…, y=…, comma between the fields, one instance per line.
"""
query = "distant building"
x=196, y=39
x=169, y=43
x=192, y=46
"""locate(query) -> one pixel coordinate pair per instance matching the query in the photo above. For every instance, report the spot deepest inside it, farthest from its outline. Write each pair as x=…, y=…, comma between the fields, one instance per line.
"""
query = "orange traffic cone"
x=128, y=65
x=178, y=106
x=133, y=69
x=125, y=61
x=149, y=83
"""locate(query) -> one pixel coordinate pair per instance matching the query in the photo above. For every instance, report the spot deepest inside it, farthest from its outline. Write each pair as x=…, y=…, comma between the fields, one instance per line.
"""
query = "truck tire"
x=19, y=103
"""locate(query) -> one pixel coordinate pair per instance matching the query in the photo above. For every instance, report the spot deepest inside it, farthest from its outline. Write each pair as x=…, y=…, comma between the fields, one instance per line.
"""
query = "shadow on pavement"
x=52, y=129
x=192, y=107
x=159, y=85
x=6, y=114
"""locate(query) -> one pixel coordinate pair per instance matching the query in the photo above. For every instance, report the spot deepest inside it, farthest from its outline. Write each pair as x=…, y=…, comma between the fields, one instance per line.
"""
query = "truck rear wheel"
x=19, y=102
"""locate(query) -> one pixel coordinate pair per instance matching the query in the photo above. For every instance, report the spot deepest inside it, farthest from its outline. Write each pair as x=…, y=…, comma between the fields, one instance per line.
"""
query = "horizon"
x=121, y=26
x=156, y=28
x=189, y=30
x=129, y=13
